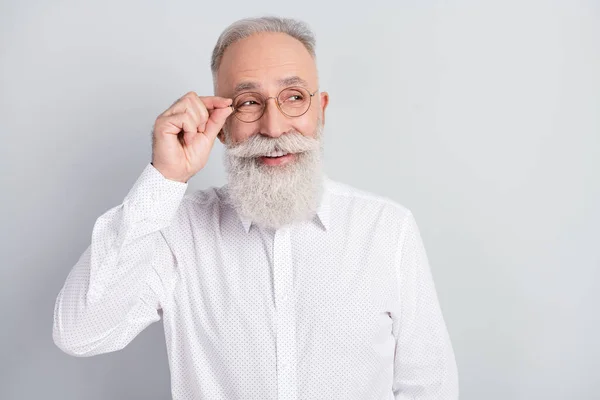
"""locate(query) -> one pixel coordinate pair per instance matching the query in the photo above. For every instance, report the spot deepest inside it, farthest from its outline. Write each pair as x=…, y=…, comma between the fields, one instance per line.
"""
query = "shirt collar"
x=323, y=210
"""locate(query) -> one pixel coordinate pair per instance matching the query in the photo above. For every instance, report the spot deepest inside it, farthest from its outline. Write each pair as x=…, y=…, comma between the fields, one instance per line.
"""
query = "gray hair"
x=246, y=27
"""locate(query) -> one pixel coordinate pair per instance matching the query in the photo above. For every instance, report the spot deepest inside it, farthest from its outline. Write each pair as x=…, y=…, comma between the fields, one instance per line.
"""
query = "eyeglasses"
x=292, y=101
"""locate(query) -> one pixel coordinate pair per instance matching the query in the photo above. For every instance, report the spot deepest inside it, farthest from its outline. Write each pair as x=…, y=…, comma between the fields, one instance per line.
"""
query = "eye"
x=248, y=102
x=293, y=96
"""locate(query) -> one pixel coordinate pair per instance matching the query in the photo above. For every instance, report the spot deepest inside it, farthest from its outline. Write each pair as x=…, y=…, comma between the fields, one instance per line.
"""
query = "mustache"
x=258, y=145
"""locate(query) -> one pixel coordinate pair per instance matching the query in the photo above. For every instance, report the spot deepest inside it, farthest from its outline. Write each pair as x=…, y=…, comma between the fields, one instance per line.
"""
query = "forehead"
x=266, y=61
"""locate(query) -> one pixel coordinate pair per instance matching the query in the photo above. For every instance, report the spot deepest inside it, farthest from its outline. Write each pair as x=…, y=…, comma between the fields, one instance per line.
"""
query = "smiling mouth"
x=277, y=156
x=277, y=159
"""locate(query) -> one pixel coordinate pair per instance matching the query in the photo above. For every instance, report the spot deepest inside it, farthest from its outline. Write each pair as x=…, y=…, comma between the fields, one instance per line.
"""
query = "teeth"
x=276, y=154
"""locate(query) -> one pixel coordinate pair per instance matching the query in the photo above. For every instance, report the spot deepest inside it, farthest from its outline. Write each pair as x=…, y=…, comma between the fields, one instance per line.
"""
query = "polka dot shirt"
x=339, y=307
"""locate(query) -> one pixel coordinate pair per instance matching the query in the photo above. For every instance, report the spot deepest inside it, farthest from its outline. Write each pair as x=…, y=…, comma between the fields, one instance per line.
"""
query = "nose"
x=273, y=122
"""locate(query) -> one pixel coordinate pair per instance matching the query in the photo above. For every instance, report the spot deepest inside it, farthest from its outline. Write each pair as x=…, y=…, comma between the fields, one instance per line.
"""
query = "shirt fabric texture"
x=342, y=306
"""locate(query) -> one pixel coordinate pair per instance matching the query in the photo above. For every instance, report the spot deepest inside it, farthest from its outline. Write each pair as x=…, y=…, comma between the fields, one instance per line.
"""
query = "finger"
x=216, y=121
x=181, y=104
x=176, y=123
x=196, y=113
x=200, y=112
x=201, y=104
x=214, y=102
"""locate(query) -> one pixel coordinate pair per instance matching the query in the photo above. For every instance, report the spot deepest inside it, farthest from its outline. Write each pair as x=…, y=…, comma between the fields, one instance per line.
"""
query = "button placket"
x=285, y=315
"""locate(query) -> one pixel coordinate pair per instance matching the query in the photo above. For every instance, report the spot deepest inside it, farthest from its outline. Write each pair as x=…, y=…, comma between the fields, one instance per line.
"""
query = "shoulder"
x=369, y=204
x=341, y=191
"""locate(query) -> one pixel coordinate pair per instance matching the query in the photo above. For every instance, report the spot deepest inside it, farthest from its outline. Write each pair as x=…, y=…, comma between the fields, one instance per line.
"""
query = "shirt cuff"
x=154, y=196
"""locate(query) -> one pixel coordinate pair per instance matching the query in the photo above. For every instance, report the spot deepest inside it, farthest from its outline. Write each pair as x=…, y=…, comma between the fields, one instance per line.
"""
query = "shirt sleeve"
x=115, y=289
x=424, y=363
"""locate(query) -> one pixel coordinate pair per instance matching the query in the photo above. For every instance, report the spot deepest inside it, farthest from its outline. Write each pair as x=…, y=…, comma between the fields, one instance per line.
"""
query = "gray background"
x=482, y=117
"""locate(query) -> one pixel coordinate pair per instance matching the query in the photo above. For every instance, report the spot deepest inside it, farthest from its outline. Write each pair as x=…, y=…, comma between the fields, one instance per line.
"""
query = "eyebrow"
x=250, y=85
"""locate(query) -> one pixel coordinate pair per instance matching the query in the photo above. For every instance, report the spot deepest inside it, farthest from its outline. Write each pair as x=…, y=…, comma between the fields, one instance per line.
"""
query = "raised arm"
x=115, y=289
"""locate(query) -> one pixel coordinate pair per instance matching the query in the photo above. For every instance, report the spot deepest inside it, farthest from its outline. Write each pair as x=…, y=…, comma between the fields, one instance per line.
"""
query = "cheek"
x=306, y=126
x=240, y=131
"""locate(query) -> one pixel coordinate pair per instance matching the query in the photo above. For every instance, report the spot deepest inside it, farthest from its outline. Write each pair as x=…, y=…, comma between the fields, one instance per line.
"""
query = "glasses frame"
x=265, y=99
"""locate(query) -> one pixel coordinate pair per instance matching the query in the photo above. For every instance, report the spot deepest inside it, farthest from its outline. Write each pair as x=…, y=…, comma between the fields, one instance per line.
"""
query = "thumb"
x=216, y=120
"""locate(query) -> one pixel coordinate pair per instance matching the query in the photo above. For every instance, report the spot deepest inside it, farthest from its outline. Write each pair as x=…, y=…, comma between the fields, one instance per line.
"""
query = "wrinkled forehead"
x=266, y=62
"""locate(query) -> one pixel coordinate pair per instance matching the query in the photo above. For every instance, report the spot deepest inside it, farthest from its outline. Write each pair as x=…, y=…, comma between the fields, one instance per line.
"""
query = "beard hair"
x=274, y=196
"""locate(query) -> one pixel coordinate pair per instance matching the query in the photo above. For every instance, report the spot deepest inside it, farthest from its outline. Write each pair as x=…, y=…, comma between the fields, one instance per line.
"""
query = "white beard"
x=274, y=196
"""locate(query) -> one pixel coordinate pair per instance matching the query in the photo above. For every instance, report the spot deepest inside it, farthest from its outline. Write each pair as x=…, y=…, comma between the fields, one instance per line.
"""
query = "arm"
x=115, y=289
x=424, y=363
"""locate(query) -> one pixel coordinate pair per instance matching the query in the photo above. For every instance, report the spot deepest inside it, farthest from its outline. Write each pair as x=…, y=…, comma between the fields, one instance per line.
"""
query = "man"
x=283, y=283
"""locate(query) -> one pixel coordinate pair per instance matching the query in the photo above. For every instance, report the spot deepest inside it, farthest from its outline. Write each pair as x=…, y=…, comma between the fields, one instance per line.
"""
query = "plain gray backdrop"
x=483, y=117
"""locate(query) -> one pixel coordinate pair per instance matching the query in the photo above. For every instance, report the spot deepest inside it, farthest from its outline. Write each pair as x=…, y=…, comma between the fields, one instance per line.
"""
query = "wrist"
x=169, y=177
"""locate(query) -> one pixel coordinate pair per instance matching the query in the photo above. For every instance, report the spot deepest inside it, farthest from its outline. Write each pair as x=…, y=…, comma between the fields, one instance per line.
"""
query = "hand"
x=185, y=133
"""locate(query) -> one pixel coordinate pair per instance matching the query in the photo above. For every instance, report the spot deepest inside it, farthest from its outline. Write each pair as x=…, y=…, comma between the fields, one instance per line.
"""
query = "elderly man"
x=281, y=284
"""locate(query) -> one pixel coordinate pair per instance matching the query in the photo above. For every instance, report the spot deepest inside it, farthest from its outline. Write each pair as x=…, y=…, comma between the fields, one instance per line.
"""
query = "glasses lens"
x=294, y=101
x=248, y=106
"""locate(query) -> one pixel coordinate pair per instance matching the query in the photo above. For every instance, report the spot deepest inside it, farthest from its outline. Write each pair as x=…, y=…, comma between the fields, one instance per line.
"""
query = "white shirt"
x=340, y=307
